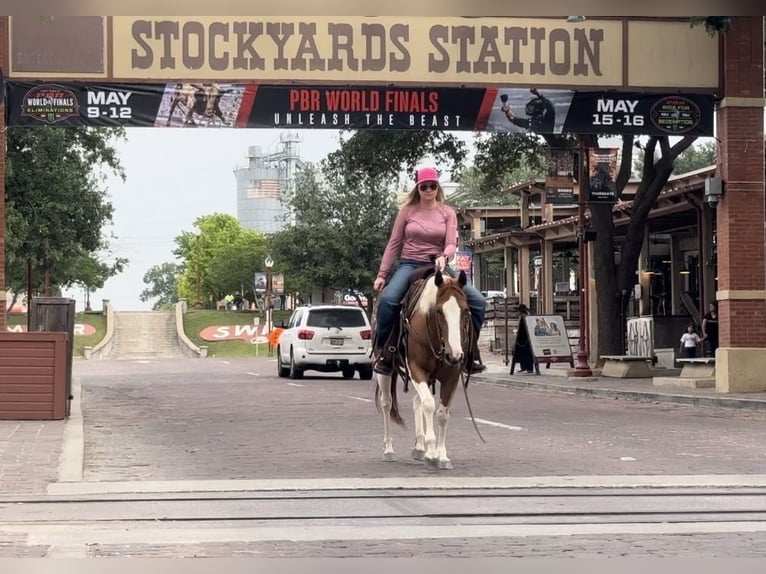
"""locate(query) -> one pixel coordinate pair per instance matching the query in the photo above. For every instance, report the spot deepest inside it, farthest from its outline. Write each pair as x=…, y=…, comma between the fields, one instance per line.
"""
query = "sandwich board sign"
x=541, y=339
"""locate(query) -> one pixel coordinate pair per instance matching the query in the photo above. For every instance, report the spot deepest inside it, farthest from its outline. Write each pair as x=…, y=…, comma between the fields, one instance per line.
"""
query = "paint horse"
x=436, y=335
x=203, y=100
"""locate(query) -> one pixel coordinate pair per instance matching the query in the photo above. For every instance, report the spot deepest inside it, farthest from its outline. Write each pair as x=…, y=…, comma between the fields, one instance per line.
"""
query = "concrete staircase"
x=144, y=335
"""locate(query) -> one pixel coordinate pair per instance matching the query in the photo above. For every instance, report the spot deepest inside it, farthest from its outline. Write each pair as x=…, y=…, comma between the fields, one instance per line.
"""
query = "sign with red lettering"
x=80, y=329
x=248, y=333
x=495, y=109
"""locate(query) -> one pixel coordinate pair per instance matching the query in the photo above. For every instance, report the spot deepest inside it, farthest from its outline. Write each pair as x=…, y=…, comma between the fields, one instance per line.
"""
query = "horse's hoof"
x=432, y=463
x=445, y=465
x=418, y=454
x=389, y=457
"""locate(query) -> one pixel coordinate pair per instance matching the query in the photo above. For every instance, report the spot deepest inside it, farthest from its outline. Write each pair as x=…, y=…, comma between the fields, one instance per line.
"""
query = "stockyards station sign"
x=494, y=74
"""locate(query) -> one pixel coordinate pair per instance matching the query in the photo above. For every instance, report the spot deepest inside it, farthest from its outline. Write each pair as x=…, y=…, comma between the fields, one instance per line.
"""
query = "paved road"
x=214, y=419
x=222, y=458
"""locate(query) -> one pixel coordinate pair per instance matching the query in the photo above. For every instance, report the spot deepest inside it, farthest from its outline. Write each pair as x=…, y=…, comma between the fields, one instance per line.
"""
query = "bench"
x=626, y=367
x=696, y=373
x=698, y=367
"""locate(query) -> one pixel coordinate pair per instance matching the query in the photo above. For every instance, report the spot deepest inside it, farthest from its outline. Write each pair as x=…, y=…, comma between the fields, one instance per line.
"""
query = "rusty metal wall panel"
x=33, y=369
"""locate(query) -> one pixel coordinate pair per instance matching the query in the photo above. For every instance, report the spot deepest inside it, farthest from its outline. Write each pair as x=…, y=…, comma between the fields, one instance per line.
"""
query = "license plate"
x=336, y=341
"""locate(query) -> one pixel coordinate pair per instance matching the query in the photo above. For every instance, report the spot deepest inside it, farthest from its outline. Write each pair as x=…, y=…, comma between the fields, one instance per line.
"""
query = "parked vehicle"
x=326, y=338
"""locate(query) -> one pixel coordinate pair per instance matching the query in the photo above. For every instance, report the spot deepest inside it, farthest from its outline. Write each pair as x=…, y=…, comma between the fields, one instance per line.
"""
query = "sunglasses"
x=428, y=187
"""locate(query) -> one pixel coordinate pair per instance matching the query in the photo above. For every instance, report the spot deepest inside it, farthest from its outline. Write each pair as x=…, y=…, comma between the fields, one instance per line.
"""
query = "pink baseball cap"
x=427, y=174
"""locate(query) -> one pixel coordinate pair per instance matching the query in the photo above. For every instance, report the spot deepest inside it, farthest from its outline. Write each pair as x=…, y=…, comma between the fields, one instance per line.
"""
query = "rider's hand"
x=441, y=262
x=379, y=283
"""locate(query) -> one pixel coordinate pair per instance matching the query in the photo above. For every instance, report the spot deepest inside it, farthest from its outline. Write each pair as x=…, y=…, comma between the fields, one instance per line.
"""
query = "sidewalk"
x=606, y=387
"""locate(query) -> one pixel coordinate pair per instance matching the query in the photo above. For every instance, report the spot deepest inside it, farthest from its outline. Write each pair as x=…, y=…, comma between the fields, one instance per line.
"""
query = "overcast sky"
x=175, y=176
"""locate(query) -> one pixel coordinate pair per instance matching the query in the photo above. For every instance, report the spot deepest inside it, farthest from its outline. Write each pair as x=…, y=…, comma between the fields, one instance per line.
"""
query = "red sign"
x=80, y=329
x=249, y=333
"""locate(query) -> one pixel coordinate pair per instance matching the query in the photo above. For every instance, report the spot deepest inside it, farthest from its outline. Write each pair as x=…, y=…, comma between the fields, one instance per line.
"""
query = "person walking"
x=424, y=226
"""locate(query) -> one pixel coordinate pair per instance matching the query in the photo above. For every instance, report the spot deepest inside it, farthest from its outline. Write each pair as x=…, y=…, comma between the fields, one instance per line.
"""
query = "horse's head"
x=444, y=297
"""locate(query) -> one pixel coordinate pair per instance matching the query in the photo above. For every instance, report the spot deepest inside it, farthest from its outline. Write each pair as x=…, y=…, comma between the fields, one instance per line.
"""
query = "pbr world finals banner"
x=549, y=111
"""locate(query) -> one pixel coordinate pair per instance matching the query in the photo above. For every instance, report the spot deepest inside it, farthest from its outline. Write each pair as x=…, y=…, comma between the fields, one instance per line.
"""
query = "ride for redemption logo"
x=50, y=103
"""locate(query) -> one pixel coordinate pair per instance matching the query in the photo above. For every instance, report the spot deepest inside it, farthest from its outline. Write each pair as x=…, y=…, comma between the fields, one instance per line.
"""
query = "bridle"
x=434, y=325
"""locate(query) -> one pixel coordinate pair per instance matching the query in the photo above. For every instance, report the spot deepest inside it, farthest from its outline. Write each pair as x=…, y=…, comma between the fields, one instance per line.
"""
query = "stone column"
x=741, y=358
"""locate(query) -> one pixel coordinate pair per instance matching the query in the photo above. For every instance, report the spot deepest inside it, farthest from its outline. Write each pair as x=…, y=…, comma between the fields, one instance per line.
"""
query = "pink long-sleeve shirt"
x=420, y=232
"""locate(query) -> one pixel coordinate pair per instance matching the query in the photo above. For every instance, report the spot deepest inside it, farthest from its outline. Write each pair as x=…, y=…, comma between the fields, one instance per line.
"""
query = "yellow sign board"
x=354, y=49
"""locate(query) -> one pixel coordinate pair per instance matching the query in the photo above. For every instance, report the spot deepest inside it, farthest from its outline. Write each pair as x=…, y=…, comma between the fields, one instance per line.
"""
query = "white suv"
x=326, y=338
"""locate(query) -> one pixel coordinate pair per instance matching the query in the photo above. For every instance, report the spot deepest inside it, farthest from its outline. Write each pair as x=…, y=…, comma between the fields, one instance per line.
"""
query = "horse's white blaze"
x=427, y=300
x=452, y=314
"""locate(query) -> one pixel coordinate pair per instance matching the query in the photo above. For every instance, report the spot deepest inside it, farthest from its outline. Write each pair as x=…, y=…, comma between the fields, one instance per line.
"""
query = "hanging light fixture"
x=576, y=19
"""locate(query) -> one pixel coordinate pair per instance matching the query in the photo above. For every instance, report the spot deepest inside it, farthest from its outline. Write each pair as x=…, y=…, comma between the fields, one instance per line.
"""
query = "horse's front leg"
x=442, y=421
x=384, y=396
x=419, y=452
x=428, y=406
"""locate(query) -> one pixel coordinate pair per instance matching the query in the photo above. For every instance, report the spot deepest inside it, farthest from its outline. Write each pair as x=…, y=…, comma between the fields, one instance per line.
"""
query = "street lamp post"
x=269, y=263
x=582, y=369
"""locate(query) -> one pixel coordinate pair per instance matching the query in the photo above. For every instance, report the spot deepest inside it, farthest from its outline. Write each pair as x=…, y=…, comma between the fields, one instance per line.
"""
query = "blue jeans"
x=390, y=302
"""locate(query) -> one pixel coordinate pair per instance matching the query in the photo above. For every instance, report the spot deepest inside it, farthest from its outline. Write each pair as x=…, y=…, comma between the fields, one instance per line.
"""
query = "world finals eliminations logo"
x=50, y=103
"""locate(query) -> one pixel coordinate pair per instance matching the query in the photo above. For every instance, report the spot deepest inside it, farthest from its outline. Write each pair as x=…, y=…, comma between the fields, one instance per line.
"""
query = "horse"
x=203, y=100
x=436, y=341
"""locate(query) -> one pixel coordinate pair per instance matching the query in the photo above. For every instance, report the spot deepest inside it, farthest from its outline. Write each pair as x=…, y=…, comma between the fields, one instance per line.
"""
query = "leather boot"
x=476, y=365
x=384, y=364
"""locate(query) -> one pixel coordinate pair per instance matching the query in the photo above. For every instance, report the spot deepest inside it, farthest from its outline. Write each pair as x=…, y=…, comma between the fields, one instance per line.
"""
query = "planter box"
x=33, y=376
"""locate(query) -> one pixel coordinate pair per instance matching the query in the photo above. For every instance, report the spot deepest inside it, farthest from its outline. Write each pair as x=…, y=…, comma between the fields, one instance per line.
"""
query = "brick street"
x=206, y=422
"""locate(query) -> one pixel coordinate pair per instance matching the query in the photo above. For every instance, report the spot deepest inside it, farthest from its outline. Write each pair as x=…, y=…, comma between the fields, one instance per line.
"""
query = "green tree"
x=343, y=220
x=695, y=157
x=57, y=206
x=162, y=281
x=377, y=154
x=219, y=259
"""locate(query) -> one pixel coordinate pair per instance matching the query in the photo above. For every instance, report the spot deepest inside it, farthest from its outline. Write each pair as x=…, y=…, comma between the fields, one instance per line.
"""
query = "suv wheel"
x=295, y=372
x=282, y=371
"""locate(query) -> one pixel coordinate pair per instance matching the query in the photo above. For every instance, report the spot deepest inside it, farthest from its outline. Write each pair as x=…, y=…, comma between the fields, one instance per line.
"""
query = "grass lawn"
x=196, y=321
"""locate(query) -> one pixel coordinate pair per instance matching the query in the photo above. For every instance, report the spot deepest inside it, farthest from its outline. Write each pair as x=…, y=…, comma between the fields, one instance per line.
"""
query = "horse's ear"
x=438, y=279
x=462, y=279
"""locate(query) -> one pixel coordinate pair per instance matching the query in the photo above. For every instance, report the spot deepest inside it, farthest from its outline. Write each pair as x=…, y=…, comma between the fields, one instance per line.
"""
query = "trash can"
x=55, y=315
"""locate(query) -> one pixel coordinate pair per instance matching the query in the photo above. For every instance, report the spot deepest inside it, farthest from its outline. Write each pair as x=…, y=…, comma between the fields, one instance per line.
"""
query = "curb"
x=640, y=396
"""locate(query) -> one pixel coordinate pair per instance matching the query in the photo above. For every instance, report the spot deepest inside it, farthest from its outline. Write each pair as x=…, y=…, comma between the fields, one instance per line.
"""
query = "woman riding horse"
x=423, y=226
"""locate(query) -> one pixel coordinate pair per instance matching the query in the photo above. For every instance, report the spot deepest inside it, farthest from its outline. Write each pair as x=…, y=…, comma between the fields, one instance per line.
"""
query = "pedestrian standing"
x=689, y=341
